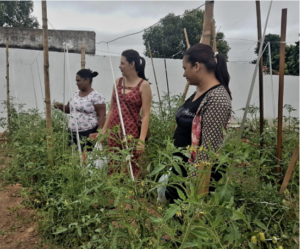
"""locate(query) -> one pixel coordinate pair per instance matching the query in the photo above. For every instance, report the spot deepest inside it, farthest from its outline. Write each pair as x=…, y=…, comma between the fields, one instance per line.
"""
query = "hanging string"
x=64, y=98
x=254, y=77
x=37, y=64
x=15, y=88
x=36, y=105
x=120, y=113
x=72, y=104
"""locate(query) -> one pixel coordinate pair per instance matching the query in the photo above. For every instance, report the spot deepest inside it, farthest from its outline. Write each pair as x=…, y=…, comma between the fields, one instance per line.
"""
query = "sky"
x=236, y=19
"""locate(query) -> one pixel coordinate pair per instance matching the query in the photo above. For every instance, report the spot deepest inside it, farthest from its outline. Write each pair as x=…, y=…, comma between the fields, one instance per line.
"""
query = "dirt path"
x=18, y=226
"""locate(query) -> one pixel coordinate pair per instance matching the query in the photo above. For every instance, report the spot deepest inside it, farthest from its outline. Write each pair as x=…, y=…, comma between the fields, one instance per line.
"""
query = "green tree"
x=292, y=59
x=291, y=55
x=17, y=14
x=167, y=38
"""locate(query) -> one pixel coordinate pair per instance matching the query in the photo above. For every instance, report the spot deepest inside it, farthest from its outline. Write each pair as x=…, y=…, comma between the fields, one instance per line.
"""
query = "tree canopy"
x=17, y=14
x=167, y=38
x=291, y=55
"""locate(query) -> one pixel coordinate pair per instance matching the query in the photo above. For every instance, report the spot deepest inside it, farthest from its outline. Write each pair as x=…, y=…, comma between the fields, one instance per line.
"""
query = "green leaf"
x=190, y=244
x=181, y=194
x=225, y=192
x=79, y=231
x=252, y=246
x=260, y=224
x=177, y=168
x=157, y=169
x=60, y=230
x=200, y=234
x=171, y=212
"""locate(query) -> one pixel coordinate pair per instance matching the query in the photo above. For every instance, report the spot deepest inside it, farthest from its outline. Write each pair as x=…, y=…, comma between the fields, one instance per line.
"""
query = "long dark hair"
x=132, y=55
x=204, y=54
x=87, y=74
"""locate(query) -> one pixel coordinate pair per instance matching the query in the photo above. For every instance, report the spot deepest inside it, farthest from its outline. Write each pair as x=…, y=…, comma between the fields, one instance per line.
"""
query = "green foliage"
x=291, y=55
x=17, y=14
x=83, y=207
x=167, y=38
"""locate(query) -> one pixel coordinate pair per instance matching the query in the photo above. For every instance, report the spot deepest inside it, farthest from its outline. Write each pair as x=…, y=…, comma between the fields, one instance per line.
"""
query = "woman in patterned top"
x=204, y=115
x=90, y=108
x=134, y=93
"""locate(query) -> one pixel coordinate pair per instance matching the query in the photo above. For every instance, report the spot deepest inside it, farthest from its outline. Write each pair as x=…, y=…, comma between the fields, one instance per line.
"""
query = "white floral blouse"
x=86, y=114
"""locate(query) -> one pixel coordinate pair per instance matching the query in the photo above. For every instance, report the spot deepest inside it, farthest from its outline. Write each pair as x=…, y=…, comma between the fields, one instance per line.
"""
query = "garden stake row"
x=281, y=87
x=289, y=171
x=155, y=80
x=46, y=79
x=261, y=87
x=82, y=56
x=7, y=84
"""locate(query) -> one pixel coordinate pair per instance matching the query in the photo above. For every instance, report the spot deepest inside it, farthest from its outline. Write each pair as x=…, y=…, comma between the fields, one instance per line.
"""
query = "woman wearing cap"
x=204, y=115
x=90, y=108
x=134, y=94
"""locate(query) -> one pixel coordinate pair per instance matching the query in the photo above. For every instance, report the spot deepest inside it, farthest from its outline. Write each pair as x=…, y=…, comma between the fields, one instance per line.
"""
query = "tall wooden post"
x=281, y=87
x=82, y=56
x=7, y=85
x=187, y=85
x=155, y=79
x=206, y=39
x=46, y=72
x=208, y=19
x=213, y=31
x=261, y=86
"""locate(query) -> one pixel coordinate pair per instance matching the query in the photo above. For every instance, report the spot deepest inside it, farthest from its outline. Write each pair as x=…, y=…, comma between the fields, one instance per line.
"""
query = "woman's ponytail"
x=133, y=56
x=221, y=72
x=203, y=53
x=141, y=70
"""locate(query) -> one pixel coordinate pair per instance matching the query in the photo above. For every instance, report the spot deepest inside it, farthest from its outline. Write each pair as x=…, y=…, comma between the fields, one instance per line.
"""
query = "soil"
x=18, y=224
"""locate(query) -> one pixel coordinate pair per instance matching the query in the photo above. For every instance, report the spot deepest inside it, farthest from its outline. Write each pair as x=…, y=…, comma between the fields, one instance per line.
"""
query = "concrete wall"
x=33, y=39
x=24, y=81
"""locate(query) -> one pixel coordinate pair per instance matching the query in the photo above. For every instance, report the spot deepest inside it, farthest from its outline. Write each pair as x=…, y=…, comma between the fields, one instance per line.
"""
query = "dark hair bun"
x=94, y=74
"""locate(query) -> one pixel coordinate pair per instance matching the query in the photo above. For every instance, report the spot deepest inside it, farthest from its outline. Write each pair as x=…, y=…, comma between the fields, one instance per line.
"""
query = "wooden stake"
x=187, y=85
x=289, y=171
x=261, y=86
x=208, y=19
x=281, y=87
x=186, y=38
x=206, y=39
x=46, y=73
x=7, y=86
x=155, y=78
x=82, y=56
x=213, y=31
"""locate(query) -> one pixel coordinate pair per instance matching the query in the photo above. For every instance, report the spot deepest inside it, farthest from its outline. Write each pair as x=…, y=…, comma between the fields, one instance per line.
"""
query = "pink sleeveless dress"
x=134, y=101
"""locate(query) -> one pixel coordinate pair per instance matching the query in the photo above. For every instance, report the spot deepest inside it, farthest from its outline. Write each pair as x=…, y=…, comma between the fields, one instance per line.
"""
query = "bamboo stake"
x=213, y=31
x=281, y=87
x=187, y=85
x=186, y=38
x=46, y=74
x=7, y=86
x=155, y=79
x=289, y=171
x=261, y=86
x=208, y=19
x=82, y=56
x=206, y=39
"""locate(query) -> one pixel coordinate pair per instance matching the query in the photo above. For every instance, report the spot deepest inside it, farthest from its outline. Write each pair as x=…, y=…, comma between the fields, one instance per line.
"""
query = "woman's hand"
x=140, y=148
